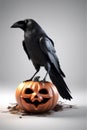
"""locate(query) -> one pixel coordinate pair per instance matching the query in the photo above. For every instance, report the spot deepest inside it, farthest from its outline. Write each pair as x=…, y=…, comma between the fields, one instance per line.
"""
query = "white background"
x=64, y=21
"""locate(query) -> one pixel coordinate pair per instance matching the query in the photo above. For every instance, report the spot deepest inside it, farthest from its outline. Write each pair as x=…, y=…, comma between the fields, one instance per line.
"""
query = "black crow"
x=40, y=50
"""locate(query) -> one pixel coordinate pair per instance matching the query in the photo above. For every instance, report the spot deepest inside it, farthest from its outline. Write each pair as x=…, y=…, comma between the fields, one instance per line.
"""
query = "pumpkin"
x=37, y=97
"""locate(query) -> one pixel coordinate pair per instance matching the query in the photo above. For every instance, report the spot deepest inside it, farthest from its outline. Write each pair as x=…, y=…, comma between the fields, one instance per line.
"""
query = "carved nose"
x=36, y=96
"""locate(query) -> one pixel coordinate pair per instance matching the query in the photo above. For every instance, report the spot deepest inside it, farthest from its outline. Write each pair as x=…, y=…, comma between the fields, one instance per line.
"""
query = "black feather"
x=59, y=82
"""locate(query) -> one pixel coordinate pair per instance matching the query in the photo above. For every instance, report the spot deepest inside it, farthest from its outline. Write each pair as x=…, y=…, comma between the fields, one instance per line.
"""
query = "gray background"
x=65, y=22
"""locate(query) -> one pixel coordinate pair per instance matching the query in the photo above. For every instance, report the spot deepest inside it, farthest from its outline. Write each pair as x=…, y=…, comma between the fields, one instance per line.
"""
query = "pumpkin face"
x=36, y=97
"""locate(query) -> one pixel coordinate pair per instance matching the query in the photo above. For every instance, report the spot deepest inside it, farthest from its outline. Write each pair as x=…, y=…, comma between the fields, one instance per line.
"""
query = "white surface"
x=69, y=119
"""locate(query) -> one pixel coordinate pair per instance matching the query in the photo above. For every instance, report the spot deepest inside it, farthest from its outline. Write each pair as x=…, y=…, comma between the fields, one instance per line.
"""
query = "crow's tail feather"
x=59, y=82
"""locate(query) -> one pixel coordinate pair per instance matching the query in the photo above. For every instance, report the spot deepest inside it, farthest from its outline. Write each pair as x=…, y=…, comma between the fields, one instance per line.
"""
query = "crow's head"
x=27, y=24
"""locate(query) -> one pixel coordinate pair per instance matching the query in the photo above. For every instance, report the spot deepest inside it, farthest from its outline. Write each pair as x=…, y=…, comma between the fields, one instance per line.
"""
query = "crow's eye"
x=30, y=25
x=26, y=21
x=29, y=22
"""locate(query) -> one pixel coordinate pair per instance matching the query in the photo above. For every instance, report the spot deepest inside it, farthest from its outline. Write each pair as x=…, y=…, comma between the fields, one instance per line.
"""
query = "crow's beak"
x=19, y=24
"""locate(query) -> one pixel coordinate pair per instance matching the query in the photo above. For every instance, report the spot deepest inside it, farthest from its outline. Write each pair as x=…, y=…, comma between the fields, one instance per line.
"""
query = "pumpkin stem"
x=36, y=79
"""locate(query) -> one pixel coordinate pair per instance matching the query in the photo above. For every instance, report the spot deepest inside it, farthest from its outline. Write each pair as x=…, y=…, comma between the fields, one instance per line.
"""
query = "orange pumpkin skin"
x=37, y=97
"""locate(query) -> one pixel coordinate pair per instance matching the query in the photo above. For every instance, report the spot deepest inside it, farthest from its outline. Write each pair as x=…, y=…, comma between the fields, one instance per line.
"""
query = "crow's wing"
x=48, y=48
x=23, y=43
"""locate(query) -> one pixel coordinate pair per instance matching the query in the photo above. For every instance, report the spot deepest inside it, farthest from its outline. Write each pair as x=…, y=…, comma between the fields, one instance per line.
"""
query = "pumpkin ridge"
x=37, y=97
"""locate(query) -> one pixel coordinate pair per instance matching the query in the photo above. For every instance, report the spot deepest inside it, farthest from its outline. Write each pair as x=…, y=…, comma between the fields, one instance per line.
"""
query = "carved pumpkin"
x=37, y=97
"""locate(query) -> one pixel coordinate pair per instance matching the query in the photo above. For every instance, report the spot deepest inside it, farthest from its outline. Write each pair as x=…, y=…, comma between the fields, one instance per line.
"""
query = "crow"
x=40, y=49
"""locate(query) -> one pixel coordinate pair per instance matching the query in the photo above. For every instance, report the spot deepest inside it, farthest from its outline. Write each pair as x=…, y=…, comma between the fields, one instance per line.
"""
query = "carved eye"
x=43, y=91
x=28, y=91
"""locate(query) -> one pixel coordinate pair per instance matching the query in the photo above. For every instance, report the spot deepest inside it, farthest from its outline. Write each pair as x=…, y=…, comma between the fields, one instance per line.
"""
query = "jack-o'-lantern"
x=36, y=97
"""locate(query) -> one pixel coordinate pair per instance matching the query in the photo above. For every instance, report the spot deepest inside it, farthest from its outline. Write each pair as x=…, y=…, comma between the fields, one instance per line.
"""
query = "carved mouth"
x=36, y=102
